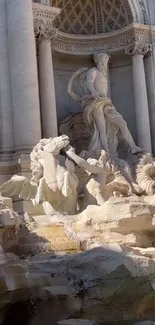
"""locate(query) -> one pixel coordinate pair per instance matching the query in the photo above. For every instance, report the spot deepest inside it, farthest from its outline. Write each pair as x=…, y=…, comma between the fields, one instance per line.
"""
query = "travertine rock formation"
x=110, y=282
x=120, y=220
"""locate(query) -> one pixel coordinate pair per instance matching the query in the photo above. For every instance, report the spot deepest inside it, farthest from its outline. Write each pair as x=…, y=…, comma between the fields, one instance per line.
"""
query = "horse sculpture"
x=53, y=181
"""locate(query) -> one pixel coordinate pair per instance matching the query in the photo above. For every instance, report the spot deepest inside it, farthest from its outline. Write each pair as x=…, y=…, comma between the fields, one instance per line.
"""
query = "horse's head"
x=56, y=144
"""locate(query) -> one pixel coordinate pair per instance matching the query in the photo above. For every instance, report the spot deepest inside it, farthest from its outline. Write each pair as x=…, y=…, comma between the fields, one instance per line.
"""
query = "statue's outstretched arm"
x=20, y=186
x=82, y=162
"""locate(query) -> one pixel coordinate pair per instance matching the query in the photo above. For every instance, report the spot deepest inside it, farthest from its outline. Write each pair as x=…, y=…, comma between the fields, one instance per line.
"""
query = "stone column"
x=140, y=94
x=6, y=123
x=150, y=83
x=46, y=83
x=23, y=70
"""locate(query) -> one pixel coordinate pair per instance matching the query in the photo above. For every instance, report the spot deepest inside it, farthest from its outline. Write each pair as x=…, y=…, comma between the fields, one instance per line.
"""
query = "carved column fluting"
x=140, y=94
x=46, y=82
x=23, y=73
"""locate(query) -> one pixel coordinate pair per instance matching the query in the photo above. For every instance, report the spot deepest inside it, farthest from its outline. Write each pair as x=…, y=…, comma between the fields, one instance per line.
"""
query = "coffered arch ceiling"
x=88, y=17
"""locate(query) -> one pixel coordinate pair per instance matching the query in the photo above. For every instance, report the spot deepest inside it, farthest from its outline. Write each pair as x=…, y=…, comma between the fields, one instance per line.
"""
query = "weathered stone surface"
x=147, y=322
x=114, y=282
x=9, y=218
x=110, y=282
x=107, y=283
x=44, y=234
x=77, y=321
x=5, y=202
x=127, y=221
x=18, y=284
x=9, y=228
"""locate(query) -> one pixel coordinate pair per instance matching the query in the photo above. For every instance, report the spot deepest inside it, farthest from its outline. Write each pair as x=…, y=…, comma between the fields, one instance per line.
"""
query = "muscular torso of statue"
x=97, y=83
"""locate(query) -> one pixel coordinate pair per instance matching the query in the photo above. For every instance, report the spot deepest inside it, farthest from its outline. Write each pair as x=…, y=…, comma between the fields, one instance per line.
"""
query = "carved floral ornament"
x=139, y=49
x=45, y=32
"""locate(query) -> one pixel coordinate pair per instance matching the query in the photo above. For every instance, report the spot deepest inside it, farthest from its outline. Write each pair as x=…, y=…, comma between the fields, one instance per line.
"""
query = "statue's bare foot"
x=136, y=149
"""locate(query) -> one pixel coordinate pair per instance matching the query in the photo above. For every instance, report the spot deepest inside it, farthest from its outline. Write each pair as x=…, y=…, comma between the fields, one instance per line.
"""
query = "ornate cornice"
x=88, y=44
x=44, y=12
x=109, y=42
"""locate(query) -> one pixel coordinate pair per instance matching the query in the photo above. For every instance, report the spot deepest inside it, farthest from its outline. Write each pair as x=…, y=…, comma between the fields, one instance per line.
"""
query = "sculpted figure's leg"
x=66, y=189
x=116, y=118
x=101, y=125
x=99, y=198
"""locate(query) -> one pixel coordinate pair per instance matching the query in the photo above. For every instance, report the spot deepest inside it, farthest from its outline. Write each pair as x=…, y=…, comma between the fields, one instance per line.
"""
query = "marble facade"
x=43, y=42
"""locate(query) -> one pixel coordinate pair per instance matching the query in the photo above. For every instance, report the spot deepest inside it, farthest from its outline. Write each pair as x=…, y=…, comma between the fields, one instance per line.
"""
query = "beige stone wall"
x=122, y=90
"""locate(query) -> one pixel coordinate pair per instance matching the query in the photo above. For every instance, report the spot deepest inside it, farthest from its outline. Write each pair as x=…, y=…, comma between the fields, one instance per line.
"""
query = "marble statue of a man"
x=92, y=81
x=90, y=86
x=97, y=77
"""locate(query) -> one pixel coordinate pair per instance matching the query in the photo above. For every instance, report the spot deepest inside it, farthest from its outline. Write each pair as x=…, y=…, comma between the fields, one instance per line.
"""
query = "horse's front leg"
x=66, y=189
x=39, y=198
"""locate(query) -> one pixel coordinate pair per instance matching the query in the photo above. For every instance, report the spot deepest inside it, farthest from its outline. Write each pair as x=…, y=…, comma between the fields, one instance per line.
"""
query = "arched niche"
x=98, y=16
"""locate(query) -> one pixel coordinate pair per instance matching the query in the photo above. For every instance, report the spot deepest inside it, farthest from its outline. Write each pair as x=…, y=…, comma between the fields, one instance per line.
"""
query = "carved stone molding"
x=121, y=39
x=138, y=49
x=109, y=42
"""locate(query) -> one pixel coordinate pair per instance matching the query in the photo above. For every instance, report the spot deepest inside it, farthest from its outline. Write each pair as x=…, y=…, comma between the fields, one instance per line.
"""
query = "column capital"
x=43, y=17
x=139, y=48
x=45, y=32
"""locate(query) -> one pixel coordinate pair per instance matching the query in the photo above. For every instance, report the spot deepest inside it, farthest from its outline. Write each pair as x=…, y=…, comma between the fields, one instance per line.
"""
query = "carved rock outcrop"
x=128, y=221
x=112, y=282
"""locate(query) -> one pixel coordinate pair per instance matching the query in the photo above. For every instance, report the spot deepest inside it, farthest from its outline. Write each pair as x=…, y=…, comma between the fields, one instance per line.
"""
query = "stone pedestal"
x=140, y=94
x=23, y=72
x=47, y=88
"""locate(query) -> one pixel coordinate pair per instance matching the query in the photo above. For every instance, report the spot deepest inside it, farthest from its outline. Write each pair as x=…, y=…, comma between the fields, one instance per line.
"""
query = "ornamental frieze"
x=87, y=44
x=110, y=42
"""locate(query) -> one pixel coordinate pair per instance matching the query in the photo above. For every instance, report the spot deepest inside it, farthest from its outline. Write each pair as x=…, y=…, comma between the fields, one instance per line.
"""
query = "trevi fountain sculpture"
x=103, y=196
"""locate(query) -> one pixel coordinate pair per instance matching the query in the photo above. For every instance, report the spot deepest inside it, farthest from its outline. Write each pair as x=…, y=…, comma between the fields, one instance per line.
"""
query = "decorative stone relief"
x=115, y=17
x=68, y=43
x=45, y=33
x=107, y=42
x=76, y=17
x=43, y=22
x=44, y=2
x=138, y=48
x=92, y=17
